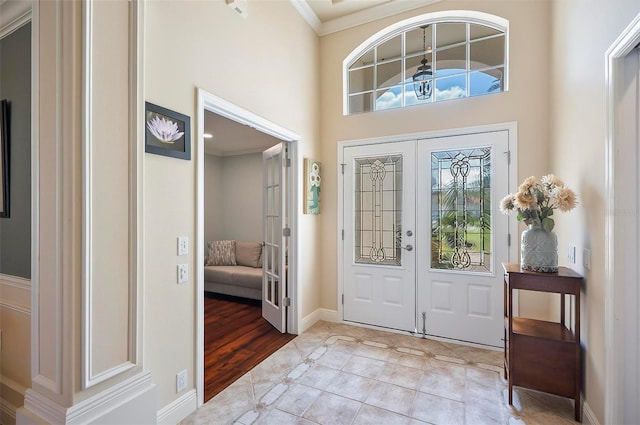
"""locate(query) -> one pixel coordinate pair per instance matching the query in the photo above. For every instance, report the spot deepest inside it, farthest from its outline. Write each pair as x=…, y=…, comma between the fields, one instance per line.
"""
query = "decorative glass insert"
x=467, y=59
x=378, y=210
x=461, y=210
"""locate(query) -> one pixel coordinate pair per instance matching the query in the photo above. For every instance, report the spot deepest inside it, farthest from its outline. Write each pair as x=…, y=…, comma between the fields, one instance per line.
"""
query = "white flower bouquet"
x=536, y=200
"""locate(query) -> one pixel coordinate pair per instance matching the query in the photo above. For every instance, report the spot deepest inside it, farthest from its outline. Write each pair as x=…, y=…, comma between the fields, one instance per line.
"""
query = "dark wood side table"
x=541, y=355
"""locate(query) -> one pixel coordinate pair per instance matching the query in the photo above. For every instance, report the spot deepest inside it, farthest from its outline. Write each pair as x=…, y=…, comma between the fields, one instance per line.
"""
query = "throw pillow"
x=222, y=253
x=248, y=253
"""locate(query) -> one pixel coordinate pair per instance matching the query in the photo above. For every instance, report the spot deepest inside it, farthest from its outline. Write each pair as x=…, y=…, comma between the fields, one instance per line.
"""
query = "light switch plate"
x=571, y=254
x=183, y=273
x=586, y=258
x=183, y=245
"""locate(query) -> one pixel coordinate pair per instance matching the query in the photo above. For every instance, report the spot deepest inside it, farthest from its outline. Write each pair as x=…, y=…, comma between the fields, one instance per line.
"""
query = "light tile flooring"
x=338, y=374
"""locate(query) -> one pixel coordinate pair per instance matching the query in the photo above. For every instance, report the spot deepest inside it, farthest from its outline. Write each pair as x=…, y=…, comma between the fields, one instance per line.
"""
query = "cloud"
x=390, y=99
x=452, y=92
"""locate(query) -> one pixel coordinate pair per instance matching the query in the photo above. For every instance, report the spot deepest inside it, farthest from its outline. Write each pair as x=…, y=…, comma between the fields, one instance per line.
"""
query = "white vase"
x=539, y=250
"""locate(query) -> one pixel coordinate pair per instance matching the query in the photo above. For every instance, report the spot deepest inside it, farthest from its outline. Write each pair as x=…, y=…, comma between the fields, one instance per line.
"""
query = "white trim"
x=217, y=105
x=614, y=237
x=510, y=127
x=93, y=408
x=320, y=314
x=13, y=16
x=470, y=16
x=308, y=14
x=15, y=307
x=136, y=102
x=15, y=282
x=356, y=18
x=35, y=181
x=179, y=409
x=588, y=417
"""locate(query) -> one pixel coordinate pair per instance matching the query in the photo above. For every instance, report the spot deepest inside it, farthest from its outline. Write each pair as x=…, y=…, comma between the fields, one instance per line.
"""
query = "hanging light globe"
x=423, y=78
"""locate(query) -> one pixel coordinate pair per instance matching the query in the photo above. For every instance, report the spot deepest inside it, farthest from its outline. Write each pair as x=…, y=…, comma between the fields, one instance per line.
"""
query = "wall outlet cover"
x=181, y=380
x=571, y=254
x=183, y=273
x=183, y=245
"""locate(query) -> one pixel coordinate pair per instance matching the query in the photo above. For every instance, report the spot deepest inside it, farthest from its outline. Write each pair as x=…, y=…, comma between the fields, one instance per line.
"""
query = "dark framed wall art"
x=167, y=132
x=4, y=159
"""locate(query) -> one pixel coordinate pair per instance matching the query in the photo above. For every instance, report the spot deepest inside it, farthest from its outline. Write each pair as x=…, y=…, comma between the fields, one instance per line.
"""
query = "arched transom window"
x=425, y=59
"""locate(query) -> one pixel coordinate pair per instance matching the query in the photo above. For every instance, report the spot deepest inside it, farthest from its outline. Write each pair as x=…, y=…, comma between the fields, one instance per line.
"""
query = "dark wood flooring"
x=236, y=338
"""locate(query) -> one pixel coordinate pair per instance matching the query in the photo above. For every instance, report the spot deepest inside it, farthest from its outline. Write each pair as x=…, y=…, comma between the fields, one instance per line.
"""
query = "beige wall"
x=242, y=208
x=213, y=199
x=524, y=103
x=230, y=213
x=190, y=44
x=582, y=32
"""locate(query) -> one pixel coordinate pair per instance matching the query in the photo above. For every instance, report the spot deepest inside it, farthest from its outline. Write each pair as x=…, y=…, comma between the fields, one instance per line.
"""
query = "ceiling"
x=329, y=16
x=232, y=138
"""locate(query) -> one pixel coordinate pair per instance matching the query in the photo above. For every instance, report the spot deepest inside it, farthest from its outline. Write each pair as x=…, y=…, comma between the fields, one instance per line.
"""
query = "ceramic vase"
x=539, y=250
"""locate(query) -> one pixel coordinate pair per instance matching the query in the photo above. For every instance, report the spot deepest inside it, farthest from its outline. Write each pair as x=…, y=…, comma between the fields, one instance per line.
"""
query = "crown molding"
x=357, y=18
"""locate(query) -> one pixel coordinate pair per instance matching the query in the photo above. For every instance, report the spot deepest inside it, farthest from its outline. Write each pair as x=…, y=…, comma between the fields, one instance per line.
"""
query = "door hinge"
x=342, y=166
x=286, y=231
x=508, y=239
x=342, y=234
x=286, y=302
x=342, y=299
x=286, y=162
x=508, y=157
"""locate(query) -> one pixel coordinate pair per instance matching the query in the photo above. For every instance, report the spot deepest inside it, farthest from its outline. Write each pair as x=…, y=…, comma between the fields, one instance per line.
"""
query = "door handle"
x=408, y=247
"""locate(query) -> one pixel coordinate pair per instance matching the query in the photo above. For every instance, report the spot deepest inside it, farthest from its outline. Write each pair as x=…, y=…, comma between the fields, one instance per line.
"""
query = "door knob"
x=408, y=247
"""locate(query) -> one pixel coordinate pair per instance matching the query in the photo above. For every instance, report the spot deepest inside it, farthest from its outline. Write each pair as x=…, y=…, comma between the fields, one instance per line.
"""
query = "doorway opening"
x=622, y=320
x=245, y=215
x=423, y=239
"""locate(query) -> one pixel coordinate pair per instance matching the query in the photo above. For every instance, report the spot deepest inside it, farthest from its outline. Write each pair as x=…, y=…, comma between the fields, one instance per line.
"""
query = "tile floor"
x=338, y=374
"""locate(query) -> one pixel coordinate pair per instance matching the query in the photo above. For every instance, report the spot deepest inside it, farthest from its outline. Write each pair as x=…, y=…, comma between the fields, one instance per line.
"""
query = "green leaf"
x=547, y=224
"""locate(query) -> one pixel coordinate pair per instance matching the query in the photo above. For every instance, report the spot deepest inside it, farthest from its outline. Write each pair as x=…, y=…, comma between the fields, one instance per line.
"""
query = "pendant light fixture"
x=423, y=78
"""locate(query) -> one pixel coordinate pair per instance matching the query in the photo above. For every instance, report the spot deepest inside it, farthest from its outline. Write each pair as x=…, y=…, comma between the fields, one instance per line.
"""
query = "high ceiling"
x=328, y=16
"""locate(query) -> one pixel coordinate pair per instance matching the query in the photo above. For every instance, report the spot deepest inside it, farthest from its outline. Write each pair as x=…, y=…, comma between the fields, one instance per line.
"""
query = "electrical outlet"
x=181, y=381
x=183, y=273
x=586, y=258
x=183, y=245
x=571, y=254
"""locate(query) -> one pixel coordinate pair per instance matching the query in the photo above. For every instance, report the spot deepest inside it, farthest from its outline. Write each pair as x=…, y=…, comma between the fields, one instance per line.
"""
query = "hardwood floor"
x=236, y=338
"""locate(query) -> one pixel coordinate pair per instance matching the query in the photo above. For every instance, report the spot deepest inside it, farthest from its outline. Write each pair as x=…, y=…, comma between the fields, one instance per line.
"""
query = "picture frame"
x=4, y=158
x=167, y=132
x=312, y=185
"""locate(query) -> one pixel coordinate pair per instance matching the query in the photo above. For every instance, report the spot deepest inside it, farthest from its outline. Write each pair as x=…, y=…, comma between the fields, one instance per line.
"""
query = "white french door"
x=422, y=234
x=274, y=267
x=462, y=236
x=379, y=205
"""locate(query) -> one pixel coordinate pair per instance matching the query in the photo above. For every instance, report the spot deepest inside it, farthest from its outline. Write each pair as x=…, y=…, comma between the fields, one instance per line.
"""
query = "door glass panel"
x=461, y=210
x=378, y=210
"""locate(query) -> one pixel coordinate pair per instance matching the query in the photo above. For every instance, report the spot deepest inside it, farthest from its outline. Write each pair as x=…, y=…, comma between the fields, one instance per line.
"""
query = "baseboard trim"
x=7, y=412
x=133, y=398
x=588, y=417
x=179, y=409
x=319, y=314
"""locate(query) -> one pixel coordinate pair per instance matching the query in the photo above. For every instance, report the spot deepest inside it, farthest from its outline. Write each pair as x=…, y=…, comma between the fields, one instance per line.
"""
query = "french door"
x=274, y=267
x=423, y=240
x=379, y=197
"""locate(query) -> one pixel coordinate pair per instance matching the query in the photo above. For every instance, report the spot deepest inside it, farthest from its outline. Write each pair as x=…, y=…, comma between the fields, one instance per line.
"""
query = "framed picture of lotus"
x=167, y=132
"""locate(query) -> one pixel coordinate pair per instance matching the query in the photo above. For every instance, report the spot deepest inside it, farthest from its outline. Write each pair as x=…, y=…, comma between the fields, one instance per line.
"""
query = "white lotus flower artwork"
x=164, y=130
